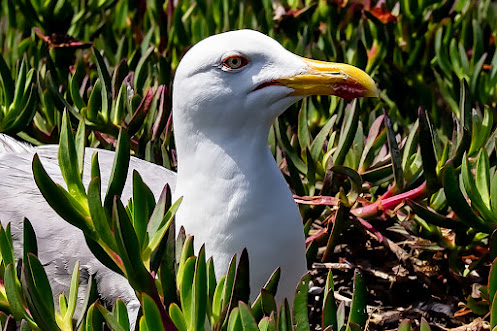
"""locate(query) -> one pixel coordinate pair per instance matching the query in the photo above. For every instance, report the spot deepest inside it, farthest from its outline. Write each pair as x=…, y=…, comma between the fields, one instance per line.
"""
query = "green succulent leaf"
x=60, y=200
x=358, y=312
x=14, y=295
x=267, y=324
x=300, y=310
x=457, y=201
x=121, y=314
x=347, y=136
x=424, y=326
x=285, y=317
x=70, y=163
x=186, y=291
x=247, y=318
x=270, y=287
x=119, y=172
x=405, y=325
x=177, y=317
x=110, y=319
x=234, y=320
x=151, y=313
x=200, y=291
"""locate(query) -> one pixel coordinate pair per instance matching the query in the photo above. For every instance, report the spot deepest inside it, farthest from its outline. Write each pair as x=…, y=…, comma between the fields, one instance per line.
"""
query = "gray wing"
x=60, y=244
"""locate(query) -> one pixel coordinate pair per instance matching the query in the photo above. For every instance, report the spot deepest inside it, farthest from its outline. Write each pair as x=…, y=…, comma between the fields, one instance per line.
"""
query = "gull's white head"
x=245, y=79
x=227, y=91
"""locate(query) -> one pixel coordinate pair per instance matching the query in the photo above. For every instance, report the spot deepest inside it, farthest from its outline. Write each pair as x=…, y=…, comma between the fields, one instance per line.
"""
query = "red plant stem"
x=391, y=191
x=390, y=203
x=315, y=236
x=368, y=211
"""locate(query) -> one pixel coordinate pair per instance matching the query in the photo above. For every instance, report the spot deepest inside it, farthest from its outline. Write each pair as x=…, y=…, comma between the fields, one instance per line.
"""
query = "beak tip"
x=372, y=92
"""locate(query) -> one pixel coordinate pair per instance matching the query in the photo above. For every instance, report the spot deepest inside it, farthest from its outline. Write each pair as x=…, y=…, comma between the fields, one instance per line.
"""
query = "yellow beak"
x=328, y=78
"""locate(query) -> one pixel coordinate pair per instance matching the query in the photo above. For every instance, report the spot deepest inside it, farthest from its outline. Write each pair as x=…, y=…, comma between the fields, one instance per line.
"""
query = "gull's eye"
x=235, y=62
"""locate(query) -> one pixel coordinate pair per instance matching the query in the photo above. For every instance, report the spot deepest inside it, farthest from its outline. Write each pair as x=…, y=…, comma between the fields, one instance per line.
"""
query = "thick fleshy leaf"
x=492, y=282
x=80, y=143
x=477, y=199
x=349, y=131
x=303, y=129
x=143, y=206
x=211, y=281
x=267, y=324
x=141, y=70
x=119, y=170
x=317, y=143
x=186, y=252
x=482, y=176
x=217, y=300
x=481, y=132
x=341, y=316
x=268, y=302
x=300, y=310
x=435, y=218
x=24, y=116
x=200, y=291
x=458, y=203
x=129, y=250
x=19, y=84
x=157, y=239
x=234, y=320
x=186, y=291
x=110, y=319
x=73, y=295
x=329, y=313
x=121, y=314
x=227, y=294
x=91, y=296
x=358, y=312
x=106, y=91
x=70, y=162
x=289, y=150
x=247, y=319
x=271, y=286
x=405, y=325
x=54, y=194
x=38, y=294
x=97, y=211
x=14, y=294
x=140, y=113
x=424, y=326
x=177, y=317
x=230, y=281
x=367, y=155
x=337, y=225
x=74, y=89
x=493, y=193
x=241, y=286
x=398, y=172
x=151, y=313
x=29, y=240
x=7, y=81
x=285, y=317
x=168, y=267
x=427, y=149
x=159, y=210
x=95, y=102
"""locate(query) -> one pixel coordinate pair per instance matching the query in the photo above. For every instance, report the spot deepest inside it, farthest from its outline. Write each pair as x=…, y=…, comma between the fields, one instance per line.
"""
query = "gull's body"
x=228, y=90
x=60, y=244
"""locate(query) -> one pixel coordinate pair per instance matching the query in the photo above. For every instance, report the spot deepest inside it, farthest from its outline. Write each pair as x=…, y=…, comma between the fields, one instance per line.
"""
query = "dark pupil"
x=235, y=62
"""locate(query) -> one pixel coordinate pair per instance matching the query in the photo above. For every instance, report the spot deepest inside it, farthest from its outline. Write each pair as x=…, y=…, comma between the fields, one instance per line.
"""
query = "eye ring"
x=234, y=62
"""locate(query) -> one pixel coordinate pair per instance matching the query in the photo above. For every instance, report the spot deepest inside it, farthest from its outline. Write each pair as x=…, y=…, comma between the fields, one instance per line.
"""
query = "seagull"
x=228, y=89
